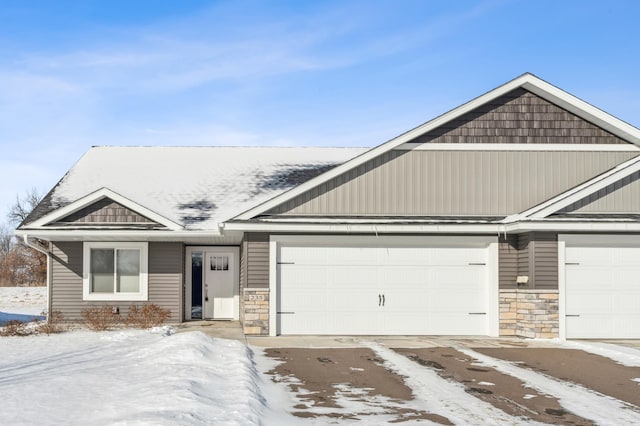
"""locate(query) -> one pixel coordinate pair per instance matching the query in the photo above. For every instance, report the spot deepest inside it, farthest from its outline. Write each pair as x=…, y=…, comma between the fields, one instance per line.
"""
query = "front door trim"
x=189, y=250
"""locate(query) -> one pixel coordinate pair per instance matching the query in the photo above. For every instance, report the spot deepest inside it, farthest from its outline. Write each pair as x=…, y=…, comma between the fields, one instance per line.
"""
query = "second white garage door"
x=603, y=289
x=337, y=289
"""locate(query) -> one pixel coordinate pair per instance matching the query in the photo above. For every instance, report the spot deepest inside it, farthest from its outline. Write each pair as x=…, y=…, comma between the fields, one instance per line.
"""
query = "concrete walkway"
x=220, y=329
x=233, y=330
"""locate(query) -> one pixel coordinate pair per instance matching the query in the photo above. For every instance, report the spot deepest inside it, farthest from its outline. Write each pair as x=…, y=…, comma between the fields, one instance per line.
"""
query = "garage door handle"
x=286, y=263
x=477, y=263
x=477, y=313
x=383, y=300
x=286, y=313
x=572, y=315
x=379, y=300
x=572, y=263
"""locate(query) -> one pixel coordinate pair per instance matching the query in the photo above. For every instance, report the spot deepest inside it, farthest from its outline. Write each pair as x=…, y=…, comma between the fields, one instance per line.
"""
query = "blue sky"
x=74, y=74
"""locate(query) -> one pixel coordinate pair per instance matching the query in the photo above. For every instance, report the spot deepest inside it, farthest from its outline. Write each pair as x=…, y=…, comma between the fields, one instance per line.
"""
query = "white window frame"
x=142, y=295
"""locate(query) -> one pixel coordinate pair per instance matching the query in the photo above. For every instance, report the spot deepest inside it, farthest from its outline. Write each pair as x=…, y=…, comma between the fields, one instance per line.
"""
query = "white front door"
x=219, y=285
x=212, y=277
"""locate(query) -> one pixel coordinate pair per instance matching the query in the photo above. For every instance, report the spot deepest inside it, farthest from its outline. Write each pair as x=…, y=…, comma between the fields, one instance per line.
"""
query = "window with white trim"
x=115, y=271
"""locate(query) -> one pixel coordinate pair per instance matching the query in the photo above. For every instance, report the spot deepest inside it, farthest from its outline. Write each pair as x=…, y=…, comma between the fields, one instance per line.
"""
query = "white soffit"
x=526, y=81
x=95, y=197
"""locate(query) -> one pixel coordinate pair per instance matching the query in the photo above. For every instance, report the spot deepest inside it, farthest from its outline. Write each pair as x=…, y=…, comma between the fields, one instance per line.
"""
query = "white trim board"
x=526, y=81
x=429, y=146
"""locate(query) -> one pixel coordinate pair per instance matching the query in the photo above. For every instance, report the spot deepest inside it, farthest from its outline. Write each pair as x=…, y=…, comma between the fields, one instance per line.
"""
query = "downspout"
x=36, y=247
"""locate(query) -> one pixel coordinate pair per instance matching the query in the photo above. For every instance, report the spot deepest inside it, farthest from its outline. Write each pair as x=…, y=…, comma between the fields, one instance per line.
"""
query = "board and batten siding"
x=255, y=261
x=622, y=196
x=471, y=183
x=165, y=280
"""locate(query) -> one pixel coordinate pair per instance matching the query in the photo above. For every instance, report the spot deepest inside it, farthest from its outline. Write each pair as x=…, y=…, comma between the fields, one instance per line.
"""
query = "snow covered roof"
x=196, y=187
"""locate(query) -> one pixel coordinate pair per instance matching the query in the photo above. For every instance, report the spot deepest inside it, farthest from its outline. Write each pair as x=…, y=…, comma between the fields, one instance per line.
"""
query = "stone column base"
x=254, y=312
x=529, y=313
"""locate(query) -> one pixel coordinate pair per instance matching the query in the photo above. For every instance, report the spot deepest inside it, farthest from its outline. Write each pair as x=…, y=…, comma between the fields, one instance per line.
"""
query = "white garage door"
x=382, y=290
x=603, y=292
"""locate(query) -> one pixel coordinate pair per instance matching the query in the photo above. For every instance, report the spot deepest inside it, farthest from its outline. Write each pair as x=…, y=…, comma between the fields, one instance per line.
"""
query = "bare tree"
x=20, y=264
x=6, y=241
x=23, y=206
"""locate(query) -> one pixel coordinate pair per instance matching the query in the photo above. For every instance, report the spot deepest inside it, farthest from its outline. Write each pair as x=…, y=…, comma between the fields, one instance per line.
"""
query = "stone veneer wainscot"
x=529, y=313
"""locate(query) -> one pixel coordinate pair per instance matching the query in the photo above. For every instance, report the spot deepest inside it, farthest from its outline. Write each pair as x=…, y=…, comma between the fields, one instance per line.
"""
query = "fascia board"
x=115, y=235
x=98, y=195
x=367, y=228
x=579, y=192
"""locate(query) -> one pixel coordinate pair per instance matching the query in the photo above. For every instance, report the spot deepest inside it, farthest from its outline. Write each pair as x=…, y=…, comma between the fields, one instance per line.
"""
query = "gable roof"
x=184, y=187
x=92, y=198
x=526, y=81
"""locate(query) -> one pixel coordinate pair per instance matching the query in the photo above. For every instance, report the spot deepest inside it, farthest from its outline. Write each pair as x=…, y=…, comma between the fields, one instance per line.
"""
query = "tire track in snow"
x=441, y=396
x=602, y=409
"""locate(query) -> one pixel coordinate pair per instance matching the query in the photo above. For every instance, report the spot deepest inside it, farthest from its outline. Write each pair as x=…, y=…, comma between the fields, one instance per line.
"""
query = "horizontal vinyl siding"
x=165, y=277
x=257, y=258
x=621, y=197
x=66, y=280
x=507, y=261
x=424, y=183
x=523, y=256
x=545, y=260
x=165, y=280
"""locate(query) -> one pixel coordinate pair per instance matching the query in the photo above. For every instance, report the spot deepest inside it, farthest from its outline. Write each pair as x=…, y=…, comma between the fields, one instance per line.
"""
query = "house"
x=515, y=214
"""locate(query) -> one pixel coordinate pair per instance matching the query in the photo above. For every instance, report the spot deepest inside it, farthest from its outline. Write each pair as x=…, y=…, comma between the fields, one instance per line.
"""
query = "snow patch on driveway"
x=626, y=356
x=575, y=398
x=442, y=396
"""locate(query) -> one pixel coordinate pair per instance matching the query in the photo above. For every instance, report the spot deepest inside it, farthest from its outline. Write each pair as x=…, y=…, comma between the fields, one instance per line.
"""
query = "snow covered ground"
x=157, y=377
x=22, y=303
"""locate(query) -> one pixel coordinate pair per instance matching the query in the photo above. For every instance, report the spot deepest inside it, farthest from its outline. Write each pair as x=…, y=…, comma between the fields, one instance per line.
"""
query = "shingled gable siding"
x=254, y=281
x=165, y=280
x=462, y=183
x=105, y=211
x=520, y=117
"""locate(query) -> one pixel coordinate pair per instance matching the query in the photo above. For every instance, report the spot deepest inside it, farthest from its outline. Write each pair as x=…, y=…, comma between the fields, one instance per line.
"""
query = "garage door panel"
x=352, y=256
x=626, y=279
x=426, y=290
x=603, y=292
x=589, y=256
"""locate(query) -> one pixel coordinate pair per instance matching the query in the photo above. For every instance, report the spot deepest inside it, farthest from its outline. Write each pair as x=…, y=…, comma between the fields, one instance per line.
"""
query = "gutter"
x=47, y=253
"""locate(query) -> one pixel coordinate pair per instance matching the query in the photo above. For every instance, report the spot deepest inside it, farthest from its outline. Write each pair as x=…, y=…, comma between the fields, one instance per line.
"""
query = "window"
x=115, y=271
x=219, y=263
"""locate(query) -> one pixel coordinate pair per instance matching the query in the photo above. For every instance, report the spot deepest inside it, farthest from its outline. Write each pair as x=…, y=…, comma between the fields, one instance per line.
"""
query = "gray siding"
x=105, y=211
x=544, y=260
x=621, y=197
x=507, y=261
x=256, y=246
x=537, y=258
x=165, y=280
x=424, y=183
x=519, y=117
x=166, y=265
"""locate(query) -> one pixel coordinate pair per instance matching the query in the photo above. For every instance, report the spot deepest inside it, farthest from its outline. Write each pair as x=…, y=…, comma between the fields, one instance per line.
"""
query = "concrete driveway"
x=452, y=380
